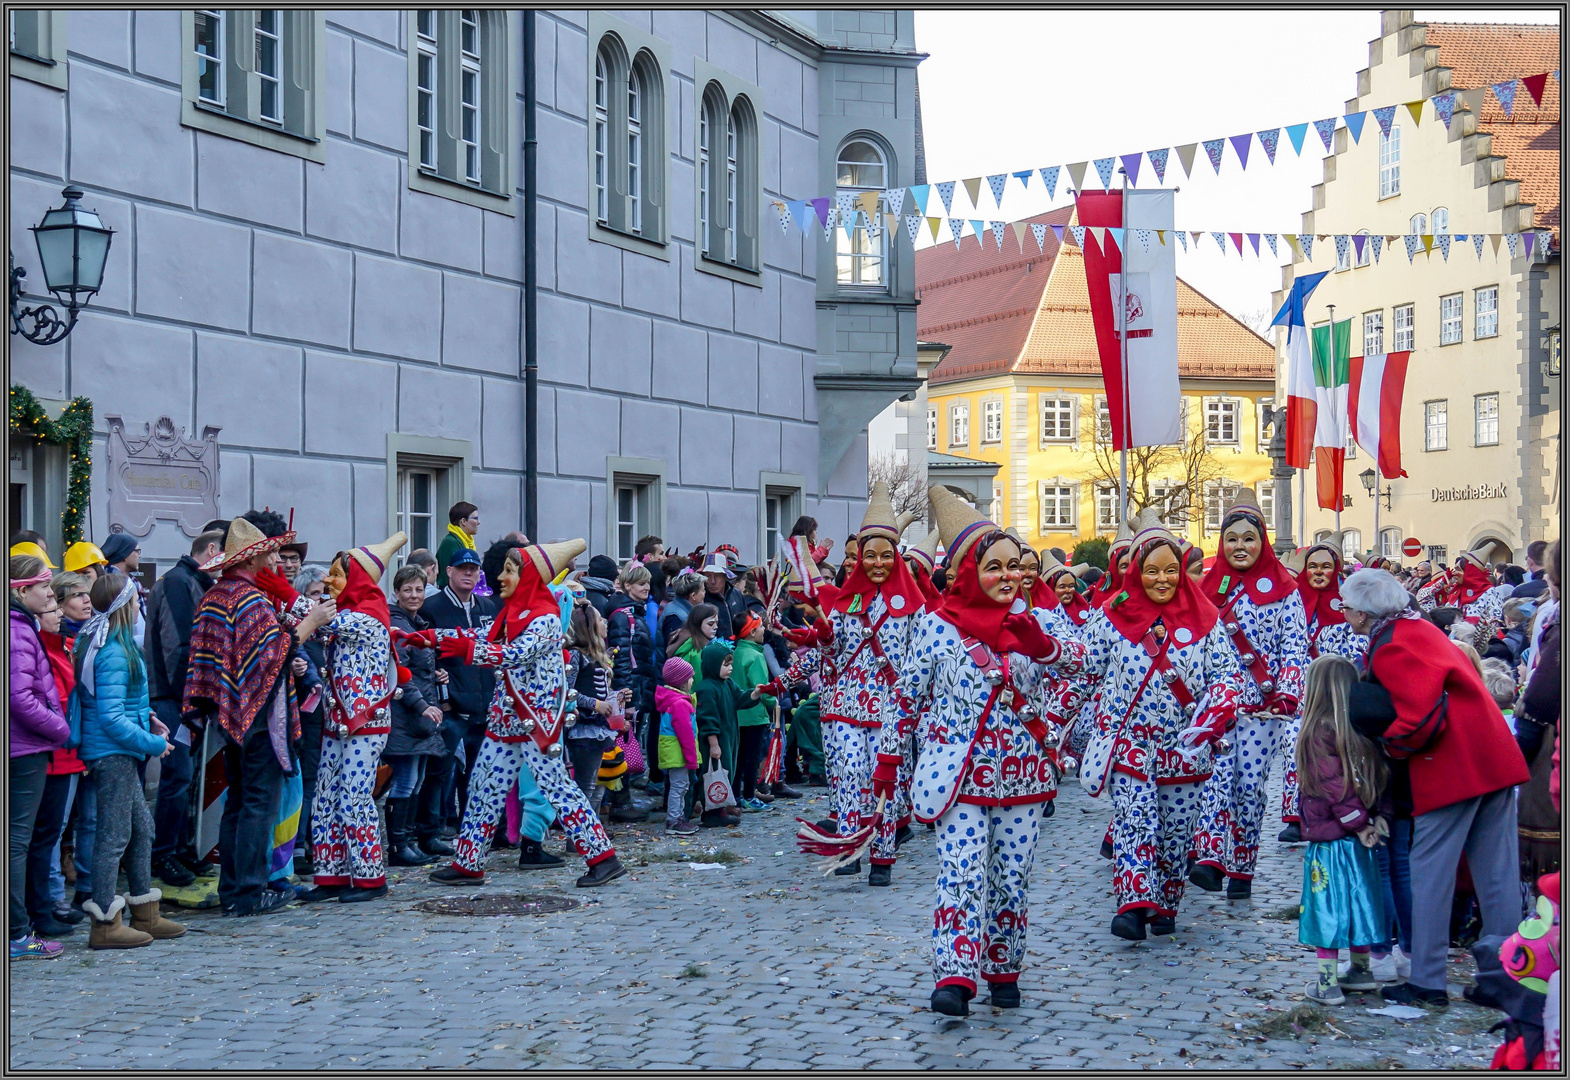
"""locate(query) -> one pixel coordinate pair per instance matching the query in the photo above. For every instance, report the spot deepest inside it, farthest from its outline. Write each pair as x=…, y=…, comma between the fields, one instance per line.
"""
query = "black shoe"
x=1239, y=888
x=48, y=926
x=409, y=855
x=1005, y=995
x=1052, y=808
x=881, y=875
x=713, y=819
x=199, y=867
x=322, y=892
x=1106, y=847
x=828, y=825
x=78, y=899
x=901, y=836
x=627, y=813
x=533, y=856
x=360, y=896
x=1206, y=877
x=1129, y=925
x=607, y=870
x=950, y=1001
x=71, y=915
x=853, y=870
x=449, y=832
x=271, y=900
x=1408, y=994
x=1477, y=995
x=451, y=875
x=784, y=791
x=1161, y=925
x=816, y=779
x=172, y=872
x=438, y=847
x=1292, y=834
x=303, y=866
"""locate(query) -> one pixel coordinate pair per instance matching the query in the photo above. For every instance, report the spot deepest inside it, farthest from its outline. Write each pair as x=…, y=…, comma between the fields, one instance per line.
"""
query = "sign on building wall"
x=161, y=474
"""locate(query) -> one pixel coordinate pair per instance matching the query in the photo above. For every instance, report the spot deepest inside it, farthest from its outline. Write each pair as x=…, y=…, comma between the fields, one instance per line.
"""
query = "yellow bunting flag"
x=1416, y=109
x=934, y=224
x=1161, y=234
x=868, y=203
x=1292, y=239
x=1494, y=238
x=1428, y=243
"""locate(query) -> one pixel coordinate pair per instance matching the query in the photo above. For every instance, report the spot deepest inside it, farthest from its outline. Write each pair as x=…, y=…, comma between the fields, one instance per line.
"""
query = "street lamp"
x=73, y=246
x=1370, y=481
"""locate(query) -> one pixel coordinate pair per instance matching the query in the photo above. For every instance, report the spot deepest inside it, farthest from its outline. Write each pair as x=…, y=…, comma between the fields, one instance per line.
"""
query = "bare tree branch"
x=1171, y=478
x=907, y=489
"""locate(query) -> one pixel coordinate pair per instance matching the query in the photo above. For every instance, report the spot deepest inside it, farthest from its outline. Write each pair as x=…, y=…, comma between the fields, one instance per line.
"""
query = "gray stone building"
x=318, y=251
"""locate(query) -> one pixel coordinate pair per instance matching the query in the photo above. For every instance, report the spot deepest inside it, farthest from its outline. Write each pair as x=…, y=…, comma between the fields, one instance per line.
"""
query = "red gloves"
x=419, y=639
x=1030, y=639
x=404, y=674
x=461, y=647
x=772, y=688
x=1280, y=704
x=276, y=587
x=825, y=631
x=885, y=776
x=806, y=635
x=1219, y=721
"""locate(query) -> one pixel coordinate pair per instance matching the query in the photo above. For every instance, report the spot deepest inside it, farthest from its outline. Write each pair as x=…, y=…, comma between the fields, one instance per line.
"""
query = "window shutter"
x=1074, y=421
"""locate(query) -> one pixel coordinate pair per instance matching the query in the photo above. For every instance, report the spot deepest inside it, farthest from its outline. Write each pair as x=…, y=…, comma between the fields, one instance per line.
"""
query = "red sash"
x=1252, y=660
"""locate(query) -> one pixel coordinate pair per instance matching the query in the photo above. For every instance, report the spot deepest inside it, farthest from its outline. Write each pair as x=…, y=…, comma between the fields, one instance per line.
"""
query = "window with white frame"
x=1107, y=506
x=1436, y=434
x=1057, y=505
x=1486, y=305
x=636, y=490
x=461, y=121
x=861, y=256
x=781, y=507
x=1485, y=420
x=631, y=518
x=1103, y=421
x=1351, y=543
x=1390, y=162
x=932, y=429
x=1262, y=430
x=1404, y=328
x=959, y=424
x=1057, y=419
x=1450, y=319
x=38, y=46
x=1439, y=220
x=417, y=502
x=1418, y=225
x=1390, y=542
x=729, y=191
x=991, y=421
x=1438, y=553
x=1373, y=333
x=627, y=144
x=254, y=75
x=1221, y=421
x=1267, y=502
x=1367, y=252
x=1321, y=535
x=1351, y=446
x=1172, y=500
x=1219, y=495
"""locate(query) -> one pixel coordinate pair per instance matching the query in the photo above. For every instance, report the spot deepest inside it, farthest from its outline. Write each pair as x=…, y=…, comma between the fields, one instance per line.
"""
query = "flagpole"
x=1122, y=324
x=1332, y=308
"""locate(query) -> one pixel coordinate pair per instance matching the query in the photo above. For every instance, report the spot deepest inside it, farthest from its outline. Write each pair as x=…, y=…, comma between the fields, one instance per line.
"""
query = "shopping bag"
x=717, y=793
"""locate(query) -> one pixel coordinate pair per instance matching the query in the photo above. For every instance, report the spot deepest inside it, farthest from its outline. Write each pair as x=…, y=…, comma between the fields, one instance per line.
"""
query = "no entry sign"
x=1411, y=548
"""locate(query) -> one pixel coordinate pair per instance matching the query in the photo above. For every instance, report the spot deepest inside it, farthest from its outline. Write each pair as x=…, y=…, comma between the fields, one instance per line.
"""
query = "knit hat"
x=676, y=672
x=118, y=547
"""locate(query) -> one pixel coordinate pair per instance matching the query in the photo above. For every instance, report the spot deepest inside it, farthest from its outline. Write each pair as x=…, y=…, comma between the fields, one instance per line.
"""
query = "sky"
x=1003, y=91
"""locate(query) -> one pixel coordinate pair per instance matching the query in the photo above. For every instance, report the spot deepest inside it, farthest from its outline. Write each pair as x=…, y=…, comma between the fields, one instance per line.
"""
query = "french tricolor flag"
x=1375, y=407
x=1302, y=407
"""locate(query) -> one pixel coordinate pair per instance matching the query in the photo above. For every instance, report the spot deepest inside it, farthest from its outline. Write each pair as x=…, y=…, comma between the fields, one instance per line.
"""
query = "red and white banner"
x=1375, y=407
x=213, y=788
x=1143, y=400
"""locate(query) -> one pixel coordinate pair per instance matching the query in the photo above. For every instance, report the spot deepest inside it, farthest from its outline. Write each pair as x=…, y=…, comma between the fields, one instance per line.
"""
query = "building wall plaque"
x=161, y=474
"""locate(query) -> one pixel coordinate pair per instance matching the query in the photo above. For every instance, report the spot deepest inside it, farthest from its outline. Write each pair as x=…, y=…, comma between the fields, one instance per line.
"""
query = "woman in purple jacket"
x=38, y=726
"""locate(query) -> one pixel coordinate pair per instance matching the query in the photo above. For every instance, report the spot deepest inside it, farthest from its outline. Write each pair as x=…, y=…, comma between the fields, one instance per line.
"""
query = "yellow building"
x=1021, y=386
x=1480, y=412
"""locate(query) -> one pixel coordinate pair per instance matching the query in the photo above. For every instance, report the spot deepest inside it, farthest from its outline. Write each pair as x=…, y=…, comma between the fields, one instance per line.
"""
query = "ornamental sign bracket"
x=161, y=474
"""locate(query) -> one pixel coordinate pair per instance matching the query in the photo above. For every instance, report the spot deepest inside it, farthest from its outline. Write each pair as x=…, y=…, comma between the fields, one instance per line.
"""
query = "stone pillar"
x=1281, y=474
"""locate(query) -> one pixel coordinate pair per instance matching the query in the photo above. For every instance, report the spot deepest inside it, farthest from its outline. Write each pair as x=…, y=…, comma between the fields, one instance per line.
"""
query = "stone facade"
x=345, y=316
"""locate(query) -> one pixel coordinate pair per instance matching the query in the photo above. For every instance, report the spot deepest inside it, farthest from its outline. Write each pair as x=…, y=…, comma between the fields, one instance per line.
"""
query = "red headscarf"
x=1323, y=605
x=969, y=609
x=361, y=594
x=899, y=590
x=1267, y=581
x=1077, y=608
x=1473, y=584
x=1189, y=609
x=531, y=598
x=1111, y=582
x=929, y=591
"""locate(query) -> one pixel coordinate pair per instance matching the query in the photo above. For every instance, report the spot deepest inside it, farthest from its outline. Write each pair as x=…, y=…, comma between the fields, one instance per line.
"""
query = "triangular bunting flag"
x=1308, y=245
x=1513, y=242
x=996, y=183
x=1076, y=173
x=997, y=231
x=1221, y=241
x=1057, y=231
x=1040, y=233
x=828, y=223
x=1413, y=242
x=1241, y=143
x=1158, y=161
x=1268, y=140
x=934, y=223
x=867, y=202
x=784, y=212
x=1104, y=170
x=973, y=189
x=1327, y=130
x=1358, y=243
x=1342, y=242
x=1161, y=234
x=1024, y=178
x=1416, y=109
x=845, y=203
x=895, y=198
x=1185, y=155
x=1253, y=239
x=822, y=208
x=1505, y=92
x=1019, y=234
x=1472, y=99
x=1445, y=108
x=1143, y=236
x=1527, y=240
x=1494, y=238
x=978, y=228
x=1079, y=235
x=919, y=195
x=1354, y=124
x=946, y=193
x=1131, y=166
x=1377, y=243
x=1213, y=153
x=912, y=226
x=849, y=220
x=1477, y=245
x=1195, y=237
x=1428, y=242
x=1534, y=85
x=1295, y=132
x=1444, y=245
x=801, y=212
x=1182, y=240
x=1049, y=177
x=1383, y=117
x=1270, y=242
x=956, y=228
x=1291, y=239
x=1237, y=241
x=1113, y=235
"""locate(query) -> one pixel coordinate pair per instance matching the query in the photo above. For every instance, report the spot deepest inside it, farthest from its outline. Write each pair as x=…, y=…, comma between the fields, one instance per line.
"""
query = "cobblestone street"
x=759, y=963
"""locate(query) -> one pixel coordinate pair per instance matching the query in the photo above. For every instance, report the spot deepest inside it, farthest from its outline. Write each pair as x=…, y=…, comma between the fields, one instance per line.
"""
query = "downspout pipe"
x=531, y=351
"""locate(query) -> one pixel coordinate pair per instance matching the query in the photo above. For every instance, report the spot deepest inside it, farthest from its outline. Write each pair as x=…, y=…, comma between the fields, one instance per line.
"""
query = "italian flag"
x=1332, y=348
x=1375, y=408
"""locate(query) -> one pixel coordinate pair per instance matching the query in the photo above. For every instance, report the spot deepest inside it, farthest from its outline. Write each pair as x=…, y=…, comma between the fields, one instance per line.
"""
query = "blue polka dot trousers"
x=346, y=835
x=1232, y=806
x=496, y=769
x=984, y=859
x=1289, y=732
x=1151, y=826
x=851, y=753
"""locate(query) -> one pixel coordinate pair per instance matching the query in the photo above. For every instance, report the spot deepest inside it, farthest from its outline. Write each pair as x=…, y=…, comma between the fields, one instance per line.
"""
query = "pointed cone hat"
x=1125, y=533
x=1149, y=526
x=375, y=557
x=1050, y=564
x=1080, y=569
x=1483, y=553
x=1247, y=502
x=926, y=552
x=880, y=519
x=552, y=559
x=959, y=523
x=1335, y=541
x=905, y=521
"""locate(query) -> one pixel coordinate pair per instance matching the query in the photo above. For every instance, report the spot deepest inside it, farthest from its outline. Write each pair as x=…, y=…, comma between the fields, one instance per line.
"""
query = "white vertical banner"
x=1148, y=320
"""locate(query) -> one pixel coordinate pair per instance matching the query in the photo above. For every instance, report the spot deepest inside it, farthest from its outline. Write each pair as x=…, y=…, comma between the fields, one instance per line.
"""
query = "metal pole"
x=1122, y=326
x=1379, y=546
x=531, y=351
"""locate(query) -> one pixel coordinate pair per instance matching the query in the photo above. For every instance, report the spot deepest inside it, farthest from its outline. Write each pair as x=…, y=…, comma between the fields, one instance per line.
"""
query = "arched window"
x=602, y=136
x=1418, y=225
x=1351, y=543
x=728, y=190
x=1390, y=543
x=635, y=149
x=1390, y=162
x=628, y=141
x=862, y=256
x=1440, y=219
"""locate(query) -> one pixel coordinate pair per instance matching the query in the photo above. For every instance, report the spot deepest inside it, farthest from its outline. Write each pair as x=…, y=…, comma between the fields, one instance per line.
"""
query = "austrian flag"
x=1375, y=407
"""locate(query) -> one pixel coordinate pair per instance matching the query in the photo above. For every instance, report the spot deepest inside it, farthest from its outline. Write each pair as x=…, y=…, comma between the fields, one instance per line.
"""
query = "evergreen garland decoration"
x=74, y=431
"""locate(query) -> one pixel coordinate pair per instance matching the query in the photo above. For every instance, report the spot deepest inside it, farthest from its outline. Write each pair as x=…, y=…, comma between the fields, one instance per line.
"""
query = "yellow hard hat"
x=82, y=553
x=27, y=547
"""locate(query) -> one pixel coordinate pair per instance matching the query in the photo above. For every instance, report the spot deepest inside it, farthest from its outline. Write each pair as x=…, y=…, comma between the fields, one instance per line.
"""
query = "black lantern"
x=73, y=248
x=1368, y=477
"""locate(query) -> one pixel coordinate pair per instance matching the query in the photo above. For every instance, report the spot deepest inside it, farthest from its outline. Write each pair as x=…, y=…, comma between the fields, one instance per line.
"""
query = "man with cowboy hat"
x=239, y=676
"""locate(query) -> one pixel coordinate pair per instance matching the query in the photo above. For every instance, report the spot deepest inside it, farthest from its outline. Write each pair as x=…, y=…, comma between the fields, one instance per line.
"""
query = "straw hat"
x=245, y=543
x=1335, y=541
x=374, y=559
x=926, y=552
x=905, y=521
x=1482, y=555
x=1149, y=526
x=959, y=524
x=1246, y=502
x=880, y=519
x=551, y=559
x=1080, y=569
x=1050, y=564
x=27, y=547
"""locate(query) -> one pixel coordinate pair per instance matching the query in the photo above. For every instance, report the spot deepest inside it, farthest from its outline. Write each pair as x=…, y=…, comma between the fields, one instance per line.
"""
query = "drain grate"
x=496, y=905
